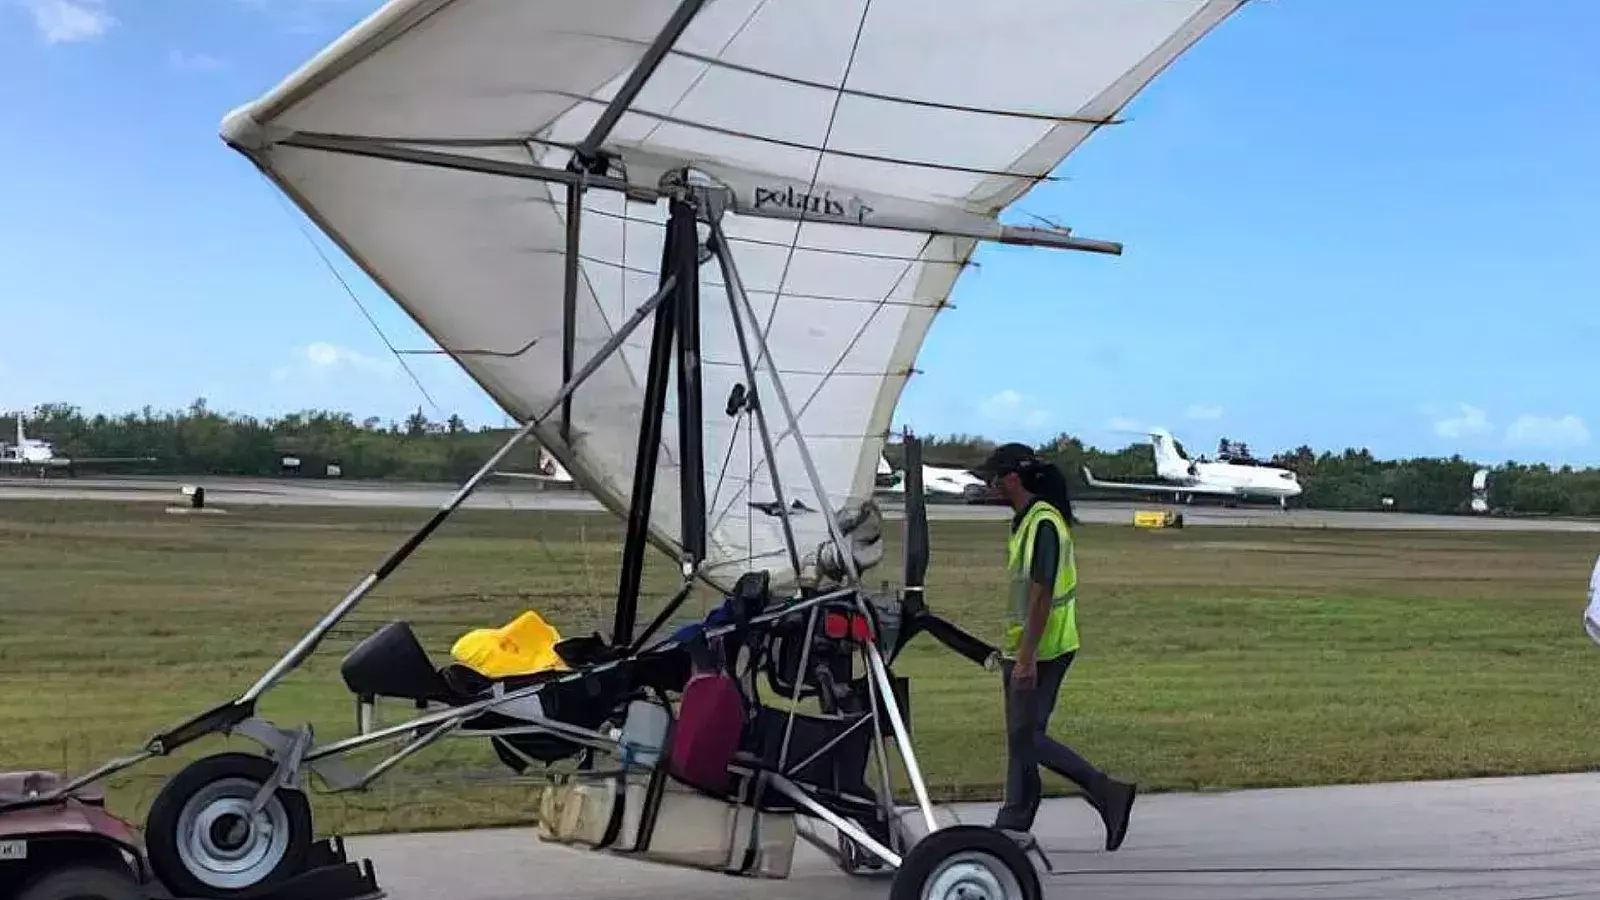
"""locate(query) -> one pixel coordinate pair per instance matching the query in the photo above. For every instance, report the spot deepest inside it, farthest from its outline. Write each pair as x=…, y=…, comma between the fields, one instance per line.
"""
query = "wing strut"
x=736, y=290
x=681, y=17
x=677, y=320
x=569, y=299
x=719, y=246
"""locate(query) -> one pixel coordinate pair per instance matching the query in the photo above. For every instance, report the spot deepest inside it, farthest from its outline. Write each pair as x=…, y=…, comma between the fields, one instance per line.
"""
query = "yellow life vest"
x=1061, y=627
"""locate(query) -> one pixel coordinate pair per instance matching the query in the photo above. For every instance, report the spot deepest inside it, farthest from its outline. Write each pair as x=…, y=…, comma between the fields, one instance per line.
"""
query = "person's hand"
x=1024, y=674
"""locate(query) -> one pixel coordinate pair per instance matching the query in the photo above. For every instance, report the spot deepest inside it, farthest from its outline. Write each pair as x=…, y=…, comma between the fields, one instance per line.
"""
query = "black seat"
x=391, y=662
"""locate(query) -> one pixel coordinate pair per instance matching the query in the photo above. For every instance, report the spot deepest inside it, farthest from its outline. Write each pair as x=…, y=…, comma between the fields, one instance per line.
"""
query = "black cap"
x=1007, y=458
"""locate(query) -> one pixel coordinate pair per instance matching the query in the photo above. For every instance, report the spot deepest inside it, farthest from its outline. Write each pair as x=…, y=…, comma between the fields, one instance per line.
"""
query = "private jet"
x=1236, y=475
x=550, y=471
x=39, y=455
x=938, y=483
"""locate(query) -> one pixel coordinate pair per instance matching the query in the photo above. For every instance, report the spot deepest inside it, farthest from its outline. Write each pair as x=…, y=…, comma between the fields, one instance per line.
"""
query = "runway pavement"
x=1492, y=839
x=227, y=492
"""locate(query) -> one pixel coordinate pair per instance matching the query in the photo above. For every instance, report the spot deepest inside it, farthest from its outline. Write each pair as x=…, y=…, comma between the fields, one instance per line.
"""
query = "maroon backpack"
x=709, y=729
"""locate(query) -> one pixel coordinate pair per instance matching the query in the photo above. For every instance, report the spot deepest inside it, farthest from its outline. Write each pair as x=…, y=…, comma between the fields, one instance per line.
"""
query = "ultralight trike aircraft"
x=533, y=181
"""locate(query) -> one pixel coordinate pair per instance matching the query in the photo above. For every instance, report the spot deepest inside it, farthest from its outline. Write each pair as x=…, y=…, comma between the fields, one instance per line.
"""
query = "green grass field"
x=1214, y=657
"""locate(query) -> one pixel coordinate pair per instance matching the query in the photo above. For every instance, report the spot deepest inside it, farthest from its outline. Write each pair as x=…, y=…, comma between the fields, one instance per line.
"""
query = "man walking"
x=1041, y=640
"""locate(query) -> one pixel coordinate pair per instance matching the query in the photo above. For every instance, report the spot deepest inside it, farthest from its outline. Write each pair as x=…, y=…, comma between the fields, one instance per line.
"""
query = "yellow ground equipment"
x=1157, y=518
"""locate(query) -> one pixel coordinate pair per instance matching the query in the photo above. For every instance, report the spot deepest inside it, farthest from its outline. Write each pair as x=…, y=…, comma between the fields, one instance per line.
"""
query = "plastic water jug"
x=644, y=732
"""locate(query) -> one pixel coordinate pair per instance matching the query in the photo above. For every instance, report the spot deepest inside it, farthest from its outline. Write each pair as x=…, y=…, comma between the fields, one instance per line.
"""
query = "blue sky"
x=1382, y=210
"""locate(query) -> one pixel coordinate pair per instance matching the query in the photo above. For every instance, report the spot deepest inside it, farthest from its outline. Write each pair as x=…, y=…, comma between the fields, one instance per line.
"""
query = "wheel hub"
x=223, y=844
x=971, y=876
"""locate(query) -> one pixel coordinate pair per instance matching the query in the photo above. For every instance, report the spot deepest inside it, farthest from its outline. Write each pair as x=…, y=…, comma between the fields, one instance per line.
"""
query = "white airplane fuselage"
x=33, y=452
x=938, y=482
x=1182, y=476
x=1243, y=479
x=30, y=452
x=955, y=484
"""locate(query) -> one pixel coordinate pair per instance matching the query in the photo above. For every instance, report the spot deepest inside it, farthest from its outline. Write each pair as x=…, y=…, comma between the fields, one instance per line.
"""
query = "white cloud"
x=322, y=358
x=70, y=21
x=1548, y=432
x=1464, y=421
x=194, y=62
x=1123, y=423
x=1203, y=411
x=1011, y=408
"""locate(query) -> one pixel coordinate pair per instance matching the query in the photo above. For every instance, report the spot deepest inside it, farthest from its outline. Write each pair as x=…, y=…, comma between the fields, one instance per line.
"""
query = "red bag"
x=706, y=735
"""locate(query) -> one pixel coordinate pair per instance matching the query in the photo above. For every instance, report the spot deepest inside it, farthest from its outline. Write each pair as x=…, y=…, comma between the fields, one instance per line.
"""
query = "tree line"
x=202, y=441
x=199, y=441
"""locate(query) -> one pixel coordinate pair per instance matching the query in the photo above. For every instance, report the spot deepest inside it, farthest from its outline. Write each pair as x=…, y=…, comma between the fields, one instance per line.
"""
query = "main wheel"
x=83, y=883
x=202, y=840
x=966, y=862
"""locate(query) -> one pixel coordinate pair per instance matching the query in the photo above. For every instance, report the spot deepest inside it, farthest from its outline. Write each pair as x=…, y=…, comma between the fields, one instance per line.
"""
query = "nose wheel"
x=205, y=839
x=966, y=862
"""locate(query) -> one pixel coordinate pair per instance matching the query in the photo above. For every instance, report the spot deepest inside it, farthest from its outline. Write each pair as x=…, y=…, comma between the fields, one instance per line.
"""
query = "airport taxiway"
x=1489, y=839
x=225, y=492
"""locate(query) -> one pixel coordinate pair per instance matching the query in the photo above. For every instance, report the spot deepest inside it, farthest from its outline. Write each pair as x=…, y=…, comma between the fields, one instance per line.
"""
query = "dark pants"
x=1028, y=746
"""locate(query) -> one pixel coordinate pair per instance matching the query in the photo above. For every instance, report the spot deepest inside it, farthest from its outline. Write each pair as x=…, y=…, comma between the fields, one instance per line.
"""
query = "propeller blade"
x=916, y=518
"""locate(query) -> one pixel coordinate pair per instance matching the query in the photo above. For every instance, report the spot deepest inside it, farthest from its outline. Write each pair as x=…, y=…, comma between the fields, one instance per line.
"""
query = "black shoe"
x=1021, y=836
x=1116, y=806
x=1028, y=844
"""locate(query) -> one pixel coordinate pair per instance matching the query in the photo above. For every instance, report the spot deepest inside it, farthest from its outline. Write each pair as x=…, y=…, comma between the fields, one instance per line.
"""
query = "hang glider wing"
x=435, y=143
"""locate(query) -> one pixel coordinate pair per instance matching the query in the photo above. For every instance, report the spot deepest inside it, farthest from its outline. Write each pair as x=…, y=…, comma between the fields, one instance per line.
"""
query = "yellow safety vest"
x=1061, y=627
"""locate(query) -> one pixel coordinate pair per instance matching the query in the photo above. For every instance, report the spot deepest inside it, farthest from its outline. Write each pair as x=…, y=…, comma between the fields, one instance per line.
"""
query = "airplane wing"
x=533, y=476
x=1168, y=487
x=553, y=472
x=62, y=461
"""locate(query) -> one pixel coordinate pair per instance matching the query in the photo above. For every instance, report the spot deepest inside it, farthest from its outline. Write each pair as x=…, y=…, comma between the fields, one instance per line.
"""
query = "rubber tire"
x=161, y=825
x=82, y=883
x=924, y=859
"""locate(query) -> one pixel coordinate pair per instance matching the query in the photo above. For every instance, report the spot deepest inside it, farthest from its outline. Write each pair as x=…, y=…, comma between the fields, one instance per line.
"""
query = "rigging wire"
x=705, y=69
x=799, y=225
x=899, y=100
x=399, y=355
x=400, y=358
x=833, y=370
x=722, y=476
x=822, y=298
x=864, y=156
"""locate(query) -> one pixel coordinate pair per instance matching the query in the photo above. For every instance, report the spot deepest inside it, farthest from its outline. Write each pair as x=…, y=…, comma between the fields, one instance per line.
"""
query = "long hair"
x=1045, y=480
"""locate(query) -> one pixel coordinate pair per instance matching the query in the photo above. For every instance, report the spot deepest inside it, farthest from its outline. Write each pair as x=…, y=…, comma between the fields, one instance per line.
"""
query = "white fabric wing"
x=933, y=114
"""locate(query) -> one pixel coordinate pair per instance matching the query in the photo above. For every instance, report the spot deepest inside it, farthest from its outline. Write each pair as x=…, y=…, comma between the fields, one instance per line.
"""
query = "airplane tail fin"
x=1169, y=462
x=20, y=437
